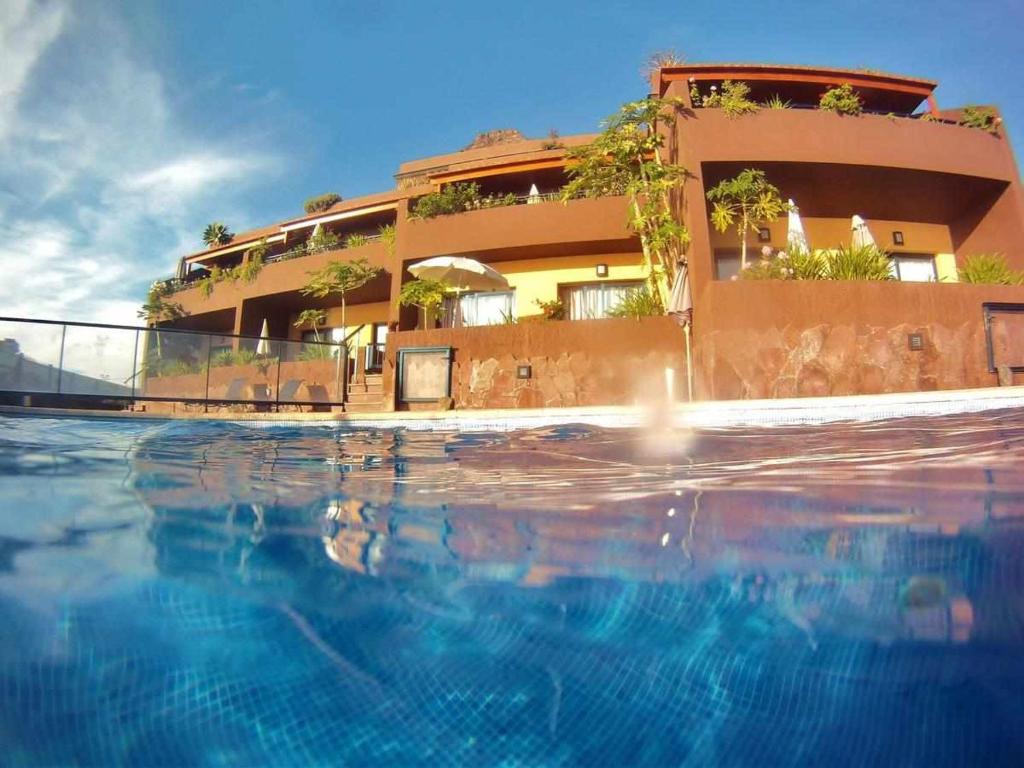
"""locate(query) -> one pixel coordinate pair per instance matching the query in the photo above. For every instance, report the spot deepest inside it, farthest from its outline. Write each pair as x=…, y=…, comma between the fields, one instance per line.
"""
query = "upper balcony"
x=541, y=226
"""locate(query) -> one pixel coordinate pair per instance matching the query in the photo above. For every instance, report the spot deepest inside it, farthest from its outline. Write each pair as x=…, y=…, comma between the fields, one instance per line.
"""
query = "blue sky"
x=125, y=128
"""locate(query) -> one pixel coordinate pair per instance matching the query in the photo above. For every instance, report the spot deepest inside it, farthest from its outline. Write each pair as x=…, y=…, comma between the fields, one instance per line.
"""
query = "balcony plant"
x=777, y=102
x=744, y=202
x=625, y=159
x=157, y=308
x=451, y=198
x=321, y=203
x=356, y=240
x=733, y=99
x=217, y=233
x=340, y=278
x=323, y=240
x=982, y=118
x=866, y=262
x=388, y=236
x=640, y=302
x=842, y=100
x=313, y=317
x=427, y=295
x=552, y=310
x=990, y=269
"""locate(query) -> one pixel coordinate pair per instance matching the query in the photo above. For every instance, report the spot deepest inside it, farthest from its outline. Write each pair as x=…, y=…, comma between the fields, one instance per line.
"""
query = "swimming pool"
x=214, y=594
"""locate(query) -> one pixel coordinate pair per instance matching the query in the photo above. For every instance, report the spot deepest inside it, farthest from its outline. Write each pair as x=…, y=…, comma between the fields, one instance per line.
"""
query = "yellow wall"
x=355, y=315
x=538, y=279
x=828, y=233
x=945, y=268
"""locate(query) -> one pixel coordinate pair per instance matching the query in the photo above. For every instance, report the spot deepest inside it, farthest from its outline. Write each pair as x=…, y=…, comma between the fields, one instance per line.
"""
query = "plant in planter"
x=427, y=295
x=157, y=309
x=777, y=102
x=640, y=302
x=990, y=269
x=553, y=310
x=744, y=202
x=451, y=198
x=356, y=240
x=321, y=203
x=625, y=159
x=388, y=237
x=866, y=262
x=251, y=267
x=982, y=118
x=217, y=233
x=842, y=100
x=733, y=99
x=552, y=141
x=341, y=278
x=313, y=317
x=323, y=240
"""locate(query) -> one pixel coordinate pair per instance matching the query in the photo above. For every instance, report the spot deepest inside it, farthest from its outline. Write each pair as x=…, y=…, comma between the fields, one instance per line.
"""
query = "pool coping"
x=704, y=414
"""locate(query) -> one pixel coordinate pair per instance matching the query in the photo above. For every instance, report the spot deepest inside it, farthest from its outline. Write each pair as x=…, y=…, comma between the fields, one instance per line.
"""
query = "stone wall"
x=770, y=339
x=590, y=362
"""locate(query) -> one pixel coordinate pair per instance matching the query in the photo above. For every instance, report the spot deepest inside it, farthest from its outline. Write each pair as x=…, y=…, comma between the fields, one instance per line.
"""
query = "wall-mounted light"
x=524, y=372
x=764, y=235
x=602, y=270
x=897, y=237
x=915, y=341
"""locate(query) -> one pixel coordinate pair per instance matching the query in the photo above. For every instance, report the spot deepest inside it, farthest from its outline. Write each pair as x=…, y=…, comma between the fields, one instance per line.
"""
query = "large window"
x=913, y=268
x=593, y=300
x=727, y=263
x=485, y=308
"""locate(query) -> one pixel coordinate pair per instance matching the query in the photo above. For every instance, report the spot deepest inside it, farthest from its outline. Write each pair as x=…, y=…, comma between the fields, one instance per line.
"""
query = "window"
x=593, y=300
x=727, y=263
x=485, y=308
x=913, y=268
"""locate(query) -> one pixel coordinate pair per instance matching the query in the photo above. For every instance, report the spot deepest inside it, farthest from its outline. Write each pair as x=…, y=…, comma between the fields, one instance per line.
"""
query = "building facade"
x=934, y=191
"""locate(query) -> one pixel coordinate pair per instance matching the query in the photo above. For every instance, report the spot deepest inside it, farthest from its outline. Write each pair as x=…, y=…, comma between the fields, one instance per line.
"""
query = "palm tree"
x=744, y=201
x=217, y=233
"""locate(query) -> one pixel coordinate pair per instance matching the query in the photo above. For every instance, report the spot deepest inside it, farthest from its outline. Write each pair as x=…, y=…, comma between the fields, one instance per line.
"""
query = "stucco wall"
x=788, y=339
x=588, y=362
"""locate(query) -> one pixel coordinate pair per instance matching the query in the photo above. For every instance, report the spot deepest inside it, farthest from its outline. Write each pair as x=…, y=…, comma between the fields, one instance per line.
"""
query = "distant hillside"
x=19, y=373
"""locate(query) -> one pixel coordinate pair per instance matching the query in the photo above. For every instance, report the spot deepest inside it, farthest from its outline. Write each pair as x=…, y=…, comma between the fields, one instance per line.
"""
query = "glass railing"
x=112, y=362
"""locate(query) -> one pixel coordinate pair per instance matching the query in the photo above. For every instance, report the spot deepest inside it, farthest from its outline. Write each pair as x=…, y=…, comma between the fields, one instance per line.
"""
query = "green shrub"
x=807, y=265
x=251, y=268
x=842, y=100
x=321, y=203
x=217, y=233
x=499, y=201
x=767, y=269
x=205, y=286
x=553, y=310
x=388, y=237
x=323, y=240
x=861, y=263
x=982, y=118
x=733, y=99
x=356, y=240
x=928, y=117
x=314, y=352
x=989, y=268
x=640, y=302
x=452, y=198
x=777, y=102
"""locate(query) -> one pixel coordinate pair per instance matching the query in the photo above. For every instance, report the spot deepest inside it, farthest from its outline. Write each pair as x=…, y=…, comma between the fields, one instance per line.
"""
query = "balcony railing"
x=924, y=116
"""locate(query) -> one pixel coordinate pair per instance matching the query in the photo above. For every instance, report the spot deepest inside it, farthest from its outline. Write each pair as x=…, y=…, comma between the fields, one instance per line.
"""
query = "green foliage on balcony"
x=458, y=198
x=842, y=100
x=640, y=302
x=388, y=236
x=733, y=99
x=427, y=295
x=157, y=308
x=743, y=202
x=982, y=118
x=340, y=278
x=841, y=263
x=989, y=269
x=552, y=310
x=321, y=203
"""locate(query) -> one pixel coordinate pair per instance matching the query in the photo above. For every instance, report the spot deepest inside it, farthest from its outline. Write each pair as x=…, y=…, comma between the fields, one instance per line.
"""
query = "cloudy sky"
x=125, y=128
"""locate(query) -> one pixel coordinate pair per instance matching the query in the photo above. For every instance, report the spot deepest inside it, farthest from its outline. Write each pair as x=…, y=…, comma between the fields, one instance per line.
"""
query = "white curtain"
x=485, y=308
x=590, y=302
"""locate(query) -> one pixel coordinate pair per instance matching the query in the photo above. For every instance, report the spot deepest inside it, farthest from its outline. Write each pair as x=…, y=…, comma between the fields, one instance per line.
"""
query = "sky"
x=126, y=128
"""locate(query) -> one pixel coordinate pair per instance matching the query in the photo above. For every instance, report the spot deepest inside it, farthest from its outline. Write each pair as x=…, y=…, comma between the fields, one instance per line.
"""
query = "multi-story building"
x=933, y=190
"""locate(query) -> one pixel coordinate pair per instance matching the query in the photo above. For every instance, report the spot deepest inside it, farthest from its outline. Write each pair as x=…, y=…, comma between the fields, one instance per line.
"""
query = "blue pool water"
x=204, y=594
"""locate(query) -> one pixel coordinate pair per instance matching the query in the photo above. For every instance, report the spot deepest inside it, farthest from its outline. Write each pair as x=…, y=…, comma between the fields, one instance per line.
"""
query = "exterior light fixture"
x=524, y=372
x=915, y=341
x=602, y=270
x=897, y=237
x=764, y=235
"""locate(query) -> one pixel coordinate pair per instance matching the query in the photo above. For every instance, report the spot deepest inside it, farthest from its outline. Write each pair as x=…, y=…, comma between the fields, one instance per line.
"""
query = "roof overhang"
x=232, y=248
x=329, y=217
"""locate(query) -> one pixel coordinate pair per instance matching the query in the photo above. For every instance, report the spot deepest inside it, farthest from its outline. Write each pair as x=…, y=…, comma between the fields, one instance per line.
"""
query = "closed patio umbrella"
x=461, y=273
x=680, y=306
x=861, y=236
x=534, y=196
x=796, y=240
x=263, y=347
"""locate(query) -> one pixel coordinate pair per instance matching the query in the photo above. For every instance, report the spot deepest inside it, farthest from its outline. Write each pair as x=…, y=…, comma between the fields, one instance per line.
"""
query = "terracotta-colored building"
x=934, y=192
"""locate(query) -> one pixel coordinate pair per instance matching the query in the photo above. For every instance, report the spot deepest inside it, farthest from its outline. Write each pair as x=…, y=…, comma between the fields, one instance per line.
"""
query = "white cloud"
x=26, y=31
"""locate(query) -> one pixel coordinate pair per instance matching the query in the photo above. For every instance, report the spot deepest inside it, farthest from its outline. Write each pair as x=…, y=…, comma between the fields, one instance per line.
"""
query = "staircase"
x=365, y=395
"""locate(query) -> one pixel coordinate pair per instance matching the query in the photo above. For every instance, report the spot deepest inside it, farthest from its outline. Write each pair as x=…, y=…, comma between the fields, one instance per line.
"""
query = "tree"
x=157, y=309
x=314, y=317
x=427, y=295
x=743, y=202
x=340, y=277
x=625, y=159
x=217, y=233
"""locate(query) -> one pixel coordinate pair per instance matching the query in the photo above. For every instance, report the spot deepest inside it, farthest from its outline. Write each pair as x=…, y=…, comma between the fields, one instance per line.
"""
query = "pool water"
x=214, y=594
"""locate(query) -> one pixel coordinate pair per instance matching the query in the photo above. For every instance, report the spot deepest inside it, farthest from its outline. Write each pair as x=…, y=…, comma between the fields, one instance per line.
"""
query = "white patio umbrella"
x=680, y=306
x=796, y=240
x=861, y=236
x=263, y=347
x=461, y=273
x=534, y=196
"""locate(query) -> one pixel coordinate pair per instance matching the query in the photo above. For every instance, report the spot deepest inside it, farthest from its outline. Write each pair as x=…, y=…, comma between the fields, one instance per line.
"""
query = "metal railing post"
x=60, y=361
x=135, y=364
x=277, y=386
x=206, y=394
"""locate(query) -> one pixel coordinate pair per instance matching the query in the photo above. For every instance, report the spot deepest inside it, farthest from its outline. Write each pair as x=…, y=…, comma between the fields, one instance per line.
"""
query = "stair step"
x=375, y=406
x=365, y=397
x=357, y=387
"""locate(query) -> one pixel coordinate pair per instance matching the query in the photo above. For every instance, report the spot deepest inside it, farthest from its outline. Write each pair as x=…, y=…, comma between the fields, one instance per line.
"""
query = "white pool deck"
x=705, y=415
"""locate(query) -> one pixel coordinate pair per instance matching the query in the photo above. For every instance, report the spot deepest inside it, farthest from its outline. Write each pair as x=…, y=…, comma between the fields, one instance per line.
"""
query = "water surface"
x=209, y=594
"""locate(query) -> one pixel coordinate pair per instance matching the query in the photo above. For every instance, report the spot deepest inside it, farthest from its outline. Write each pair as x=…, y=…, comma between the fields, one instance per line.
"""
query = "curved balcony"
x=553, y=227
x=814, y=136
x=277, y=277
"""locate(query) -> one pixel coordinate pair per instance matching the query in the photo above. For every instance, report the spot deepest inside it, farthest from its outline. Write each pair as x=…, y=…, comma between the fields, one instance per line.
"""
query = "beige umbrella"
x=461, y=273
x=263, y=347
x=796, y=239
x=534, y=196
x=861, y=237
x=680, y=306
